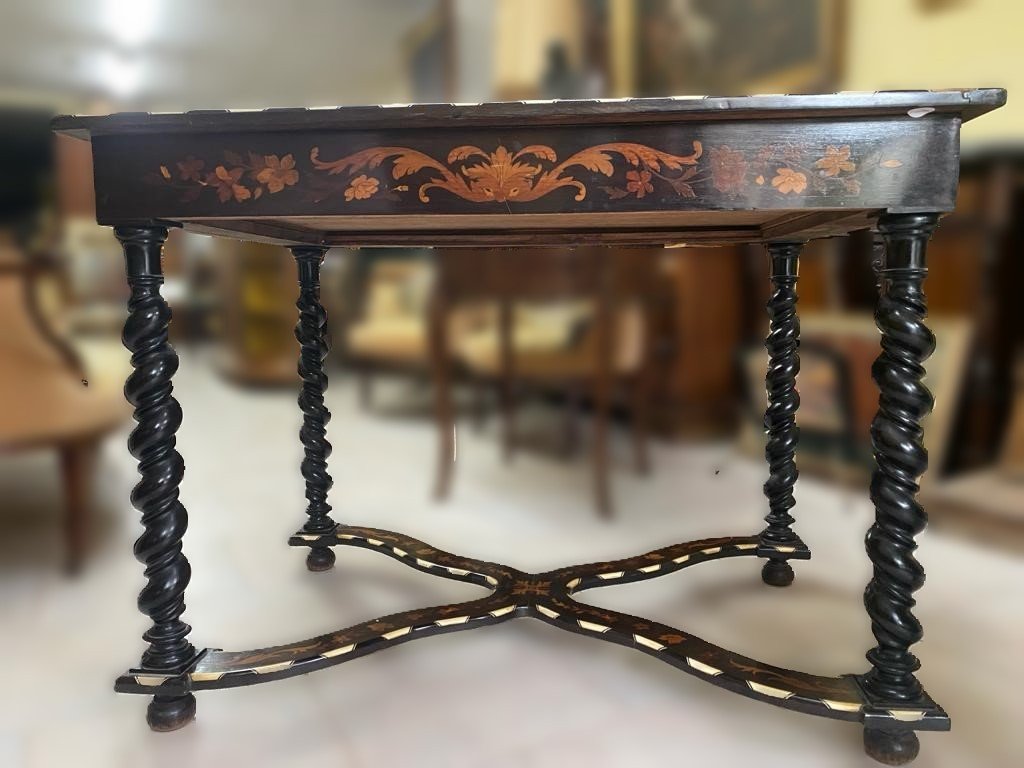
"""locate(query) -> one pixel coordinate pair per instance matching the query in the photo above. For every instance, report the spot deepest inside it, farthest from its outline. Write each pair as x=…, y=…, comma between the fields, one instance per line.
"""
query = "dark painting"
x=734, y=47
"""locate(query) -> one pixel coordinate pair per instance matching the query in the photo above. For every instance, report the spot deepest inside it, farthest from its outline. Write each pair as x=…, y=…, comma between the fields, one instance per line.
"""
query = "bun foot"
x=169, y=713
x=896, y=747
x=777, y=573
x=320, y=559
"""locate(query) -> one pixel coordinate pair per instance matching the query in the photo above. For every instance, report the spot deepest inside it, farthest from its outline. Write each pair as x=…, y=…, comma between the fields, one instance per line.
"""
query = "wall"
x=894, y=44
x=474, y=38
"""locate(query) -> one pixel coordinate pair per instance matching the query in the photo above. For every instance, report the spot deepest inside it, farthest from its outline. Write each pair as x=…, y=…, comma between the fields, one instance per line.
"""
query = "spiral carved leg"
x=152, y=443
x=901, y=459
x=311, y=332
x=780, y=417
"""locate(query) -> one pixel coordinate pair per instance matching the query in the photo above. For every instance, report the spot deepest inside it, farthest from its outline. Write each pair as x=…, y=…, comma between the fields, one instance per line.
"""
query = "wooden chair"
x=390, y=330
x=48, y=401
x=607, y=347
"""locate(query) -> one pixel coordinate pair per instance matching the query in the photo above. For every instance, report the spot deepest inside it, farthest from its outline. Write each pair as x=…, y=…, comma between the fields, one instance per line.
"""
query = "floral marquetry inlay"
x=615, y=171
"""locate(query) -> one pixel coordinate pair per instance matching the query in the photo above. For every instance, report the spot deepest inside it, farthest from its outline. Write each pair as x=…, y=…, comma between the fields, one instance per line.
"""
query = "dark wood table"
x=779, y=170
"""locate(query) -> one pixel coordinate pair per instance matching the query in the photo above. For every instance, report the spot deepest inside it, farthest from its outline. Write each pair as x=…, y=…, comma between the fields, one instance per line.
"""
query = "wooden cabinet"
x=698, y=384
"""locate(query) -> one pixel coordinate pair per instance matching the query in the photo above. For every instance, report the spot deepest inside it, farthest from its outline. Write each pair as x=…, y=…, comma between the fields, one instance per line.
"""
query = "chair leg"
x=571, y=419
x=479, y=389
x=506, y=378
x=600, y=451
x=311, y=333
x=76, y=461
x=365, y=387
x=508, y=418
x=641, y=423
x=152, y=443
x=444, y=414
x=445, y=419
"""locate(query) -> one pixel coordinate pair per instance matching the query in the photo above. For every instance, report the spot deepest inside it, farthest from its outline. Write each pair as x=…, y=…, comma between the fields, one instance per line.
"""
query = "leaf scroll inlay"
x=633, y=171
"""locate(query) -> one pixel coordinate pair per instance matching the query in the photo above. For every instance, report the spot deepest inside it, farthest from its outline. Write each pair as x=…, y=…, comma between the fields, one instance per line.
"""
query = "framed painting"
x=727, y=47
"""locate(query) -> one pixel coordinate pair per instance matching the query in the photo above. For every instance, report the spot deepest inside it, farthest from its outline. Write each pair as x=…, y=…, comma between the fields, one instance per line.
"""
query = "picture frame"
x=734, y=47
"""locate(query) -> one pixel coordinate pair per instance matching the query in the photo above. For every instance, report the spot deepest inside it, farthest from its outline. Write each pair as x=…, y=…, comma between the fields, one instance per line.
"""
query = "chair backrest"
x=45, y=400
x=540, y=274
x=607, y=277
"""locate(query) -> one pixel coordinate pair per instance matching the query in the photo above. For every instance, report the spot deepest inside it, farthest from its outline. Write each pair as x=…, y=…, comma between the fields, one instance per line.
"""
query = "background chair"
x=575, y=320
x=49, y=399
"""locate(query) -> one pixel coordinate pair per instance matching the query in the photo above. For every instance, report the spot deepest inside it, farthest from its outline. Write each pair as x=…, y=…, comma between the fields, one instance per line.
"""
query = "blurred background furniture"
x=984, y=504
x=52, y=396
x=389, y=328
x=575, y=320
x=838, y=397
x=52, y=399
x=697, y=331
x=257, y=344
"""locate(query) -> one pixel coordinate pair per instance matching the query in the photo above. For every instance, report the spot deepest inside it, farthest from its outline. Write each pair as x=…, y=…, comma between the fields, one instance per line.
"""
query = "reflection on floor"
x=521, y=694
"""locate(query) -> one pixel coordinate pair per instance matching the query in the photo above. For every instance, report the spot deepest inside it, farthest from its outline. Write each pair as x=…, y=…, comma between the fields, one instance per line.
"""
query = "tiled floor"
x=521, y=694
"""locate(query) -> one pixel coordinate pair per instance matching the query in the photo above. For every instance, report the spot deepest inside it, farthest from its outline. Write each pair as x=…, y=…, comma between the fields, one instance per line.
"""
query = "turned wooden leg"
x=311, y=333
x=900, y=459
x=152, y=443
x=783, y=343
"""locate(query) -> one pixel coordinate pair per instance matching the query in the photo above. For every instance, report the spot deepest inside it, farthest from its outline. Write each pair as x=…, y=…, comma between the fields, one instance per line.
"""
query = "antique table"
x=779, y=170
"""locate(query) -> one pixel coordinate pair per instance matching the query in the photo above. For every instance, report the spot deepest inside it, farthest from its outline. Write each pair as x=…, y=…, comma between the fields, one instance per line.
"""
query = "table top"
x=633, y=171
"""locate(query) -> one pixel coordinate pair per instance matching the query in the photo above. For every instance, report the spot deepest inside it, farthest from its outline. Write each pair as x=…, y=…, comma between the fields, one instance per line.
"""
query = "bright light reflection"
x=119, y=73
x=132, y=23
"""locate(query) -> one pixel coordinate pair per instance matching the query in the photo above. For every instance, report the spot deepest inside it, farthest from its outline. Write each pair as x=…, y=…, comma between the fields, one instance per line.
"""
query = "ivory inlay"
x=339, y=651
x=767, y=690
x=648, y=642
x=700, y=666
x=841, y=706
x=150, y=680
x=907, y=715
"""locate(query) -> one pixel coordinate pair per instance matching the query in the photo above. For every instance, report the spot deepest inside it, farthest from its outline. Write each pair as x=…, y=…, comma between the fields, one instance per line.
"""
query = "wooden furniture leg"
x=573, y=404
x=783, y=343
x=152, y=443
x=311, y=333
x=901, y=459
x=365, y=377
x=444, y=415
x=506, y=375
x=479, y=391
x=604, y=326
x=641, y=421
x=76, y=462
